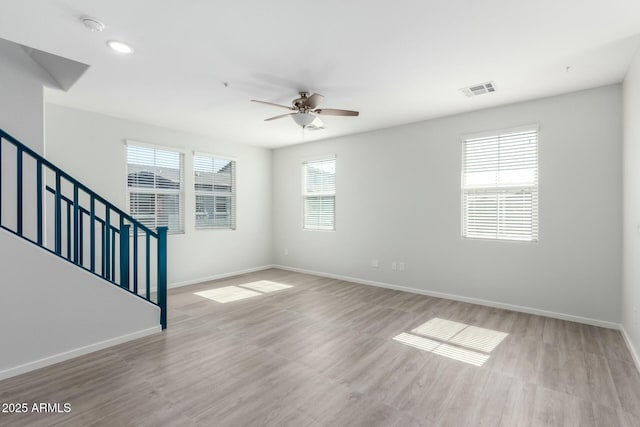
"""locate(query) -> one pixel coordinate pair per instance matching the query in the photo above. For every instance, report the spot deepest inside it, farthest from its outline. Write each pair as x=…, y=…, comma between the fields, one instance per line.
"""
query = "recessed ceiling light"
x=120, y=47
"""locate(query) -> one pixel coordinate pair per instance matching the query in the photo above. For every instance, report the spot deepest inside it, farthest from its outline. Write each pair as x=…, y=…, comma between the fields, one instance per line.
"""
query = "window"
x=215, y=187
x=319, y=194
x=500, y=186
x=155, y=191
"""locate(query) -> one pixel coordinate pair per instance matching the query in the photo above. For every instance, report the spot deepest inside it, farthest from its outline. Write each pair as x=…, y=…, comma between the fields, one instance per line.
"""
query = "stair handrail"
x=108, y=242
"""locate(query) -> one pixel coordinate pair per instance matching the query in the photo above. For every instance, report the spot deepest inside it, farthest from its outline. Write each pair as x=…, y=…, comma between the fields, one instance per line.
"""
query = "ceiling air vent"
x=479, y=89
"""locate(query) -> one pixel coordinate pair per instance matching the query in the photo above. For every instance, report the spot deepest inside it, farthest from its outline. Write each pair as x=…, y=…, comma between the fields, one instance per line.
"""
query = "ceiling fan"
x=305, y=112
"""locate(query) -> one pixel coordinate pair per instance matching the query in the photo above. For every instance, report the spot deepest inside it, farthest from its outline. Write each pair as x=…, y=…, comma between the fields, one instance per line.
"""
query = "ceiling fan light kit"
x=303, y=119
x=305, y=111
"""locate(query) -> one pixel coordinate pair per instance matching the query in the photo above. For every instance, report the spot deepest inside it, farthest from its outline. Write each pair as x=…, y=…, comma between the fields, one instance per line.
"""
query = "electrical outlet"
x=394, y=265
x=375, y=263
x=401, y=266
x=286, y=251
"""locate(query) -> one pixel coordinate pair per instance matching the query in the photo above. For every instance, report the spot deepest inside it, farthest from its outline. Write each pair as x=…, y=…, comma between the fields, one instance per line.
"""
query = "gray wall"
x=91, y=147
x=398, y=199
x=631, y=232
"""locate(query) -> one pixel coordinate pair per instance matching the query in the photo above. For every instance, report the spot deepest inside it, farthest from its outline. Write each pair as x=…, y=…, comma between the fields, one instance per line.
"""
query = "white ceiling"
x=396, y=62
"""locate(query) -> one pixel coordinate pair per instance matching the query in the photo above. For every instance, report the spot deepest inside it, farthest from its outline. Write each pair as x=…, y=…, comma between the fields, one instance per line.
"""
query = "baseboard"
x=495, y=304
x=218, y=276
x=632, y=349
x=61, y=357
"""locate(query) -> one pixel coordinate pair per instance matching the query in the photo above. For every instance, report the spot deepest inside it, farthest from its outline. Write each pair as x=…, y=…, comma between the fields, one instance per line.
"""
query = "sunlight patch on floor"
x=246, y=290
x=441, y=329
x=266, y=286
x=455, y=340
x=418, y=342
x=227, y=294
x=479, y=338
x=456, y=353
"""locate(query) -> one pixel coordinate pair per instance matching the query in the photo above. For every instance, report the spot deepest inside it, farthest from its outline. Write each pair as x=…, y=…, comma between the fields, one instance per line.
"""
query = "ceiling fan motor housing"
x=298, y=103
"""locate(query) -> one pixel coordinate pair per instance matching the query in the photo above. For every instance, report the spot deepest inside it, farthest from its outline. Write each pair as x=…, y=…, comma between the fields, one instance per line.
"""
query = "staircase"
x=44, y=205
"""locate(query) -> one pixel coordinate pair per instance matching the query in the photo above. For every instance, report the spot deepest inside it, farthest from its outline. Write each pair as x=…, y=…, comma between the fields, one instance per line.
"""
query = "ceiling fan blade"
x=313, y=101
x=279, y=117
x=336, y=112
x=271, y=103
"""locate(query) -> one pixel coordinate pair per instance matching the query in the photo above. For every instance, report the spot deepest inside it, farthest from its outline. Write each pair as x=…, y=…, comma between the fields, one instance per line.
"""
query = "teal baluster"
x=92, y=234
x=135, y=258
x=124, y=256
x=107, y=242
x=148, y=265
x=39, y=198
x=58, y=217
x=162, y=275
x=19, y=192
x=1, y=141
x=76, y=223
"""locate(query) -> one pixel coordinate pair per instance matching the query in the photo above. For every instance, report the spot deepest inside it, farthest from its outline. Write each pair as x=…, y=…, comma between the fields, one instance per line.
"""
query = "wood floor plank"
x=461, y=397
x=549, y=408
x=561, y=333
x=519, y=405
x=590, y=339
x=322, y=353
x=627, y=380
x=491, y=400
x=627, y=419
x=613, y=345
x=601, y=387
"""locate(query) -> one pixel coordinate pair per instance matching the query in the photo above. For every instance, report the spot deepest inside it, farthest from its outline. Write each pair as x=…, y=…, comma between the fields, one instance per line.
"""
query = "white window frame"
x=180, y=192
x=197, y=193
x=533, y=188
x=306, y=195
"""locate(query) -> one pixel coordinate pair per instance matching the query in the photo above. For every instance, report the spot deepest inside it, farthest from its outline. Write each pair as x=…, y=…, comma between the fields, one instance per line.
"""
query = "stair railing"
x=63, y=216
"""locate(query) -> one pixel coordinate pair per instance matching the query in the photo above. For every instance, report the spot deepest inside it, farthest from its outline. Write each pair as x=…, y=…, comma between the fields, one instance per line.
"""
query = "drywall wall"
x=91, y=147
x=398, y=199
x=631, y=207
x=21, y=115
x=51, y=310
x=21, y=92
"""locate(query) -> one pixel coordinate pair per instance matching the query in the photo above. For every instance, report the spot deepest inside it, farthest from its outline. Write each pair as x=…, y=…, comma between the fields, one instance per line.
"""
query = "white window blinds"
x=500, y=186
x=319, y=194
x=155, y=187
x=215, y=188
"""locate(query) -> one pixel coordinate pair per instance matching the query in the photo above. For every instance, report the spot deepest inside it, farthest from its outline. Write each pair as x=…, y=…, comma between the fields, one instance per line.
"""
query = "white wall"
x=21, y=93
x=91, y=148
x=22, y=116
x=631, y=202
x=50, y=307
x=398, y=199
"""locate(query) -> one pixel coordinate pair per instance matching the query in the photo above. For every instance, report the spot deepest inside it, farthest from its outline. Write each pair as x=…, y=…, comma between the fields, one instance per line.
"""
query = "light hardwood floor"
x=321, y=353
